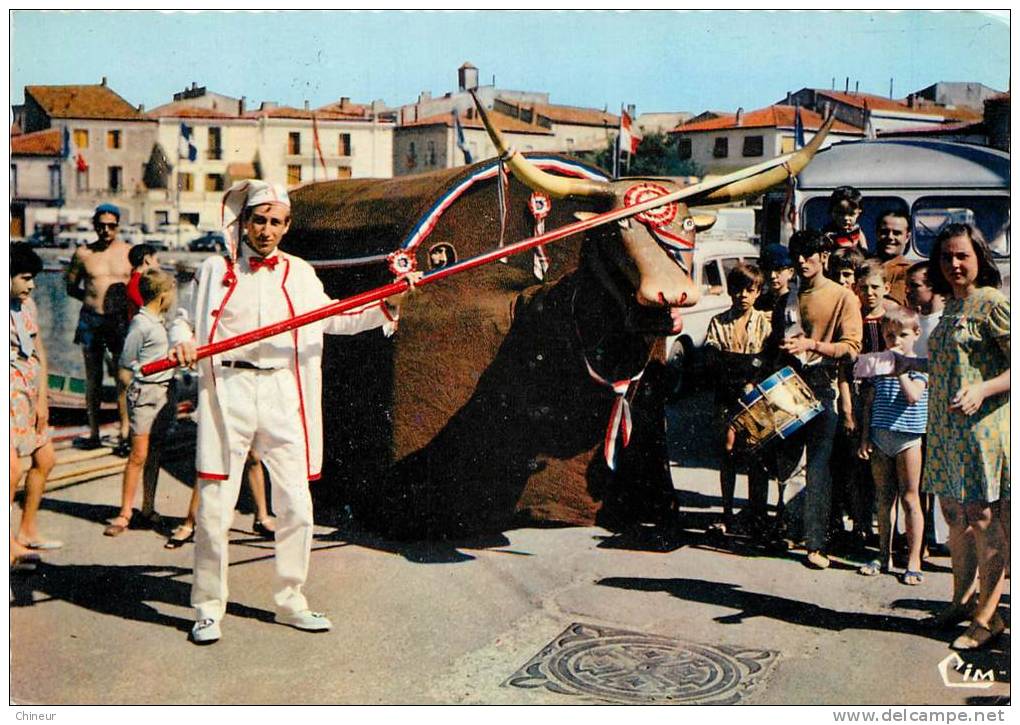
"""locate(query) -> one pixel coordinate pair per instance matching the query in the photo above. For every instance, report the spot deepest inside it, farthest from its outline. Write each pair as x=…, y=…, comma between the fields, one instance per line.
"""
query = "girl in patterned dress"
x=29, y=406
x=968, y=428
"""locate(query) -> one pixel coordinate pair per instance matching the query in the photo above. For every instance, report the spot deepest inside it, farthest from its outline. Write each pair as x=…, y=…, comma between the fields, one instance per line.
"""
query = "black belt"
x=245, y=365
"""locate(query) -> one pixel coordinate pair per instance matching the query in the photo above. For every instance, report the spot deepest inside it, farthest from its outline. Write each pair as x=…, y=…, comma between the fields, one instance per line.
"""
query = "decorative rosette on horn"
x=659, y=217
x=401, y=263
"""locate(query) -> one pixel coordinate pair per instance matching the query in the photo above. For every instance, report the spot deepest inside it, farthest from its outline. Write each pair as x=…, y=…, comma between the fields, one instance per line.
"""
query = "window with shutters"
x=345, y=144
x=185, y=182
x=115, y=177
x=684, y=149
x=81, y=138
x=722, y=148
x=113, y=139
x=293, y=174
x=294, y=143
x=754, y=145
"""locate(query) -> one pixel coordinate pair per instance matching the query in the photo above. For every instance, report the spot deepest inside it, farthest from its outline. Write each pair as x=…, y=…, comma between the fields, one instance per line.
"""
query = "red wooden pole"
x=401, y=285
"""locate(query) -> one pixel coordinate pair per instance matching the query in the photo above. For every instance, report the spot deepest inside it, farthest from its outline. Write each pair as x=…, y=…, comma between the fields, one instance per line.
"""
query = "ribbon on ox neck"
x=619, y=419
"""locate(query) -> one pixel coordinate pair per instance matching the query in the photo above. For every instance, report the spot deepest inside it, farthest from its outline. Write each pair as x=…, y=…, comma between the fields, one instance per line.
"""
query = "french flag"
x=628, y=139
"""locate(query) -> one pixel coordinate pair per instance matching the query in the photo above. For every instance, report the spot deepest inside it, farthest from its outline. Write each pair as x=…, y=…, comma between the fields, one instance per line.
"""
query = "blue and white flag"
x=461, y=143
x=186, y=148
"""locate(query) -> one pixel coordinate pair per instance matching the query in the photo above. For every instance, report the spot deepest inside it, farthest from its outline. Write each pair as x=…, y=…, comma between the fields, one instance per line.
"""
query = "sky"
x=657, y=60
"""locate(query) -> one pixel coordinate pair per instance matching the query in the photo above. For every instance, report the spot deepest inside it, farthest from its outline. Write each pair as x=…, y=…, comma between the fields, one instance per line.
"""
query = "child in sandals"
x=895, y=418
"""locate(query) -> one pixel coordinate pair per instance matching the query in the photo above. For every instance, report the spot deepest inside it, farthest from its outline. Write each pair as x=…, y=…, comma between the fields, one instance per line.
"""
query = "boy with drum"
x=735, y=345
x=830, y=317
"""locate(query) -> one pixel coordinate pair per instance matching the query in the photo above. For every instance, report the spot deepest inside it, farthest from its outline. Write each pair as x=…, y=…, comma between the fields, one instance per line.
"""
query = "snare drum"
x=776, y=407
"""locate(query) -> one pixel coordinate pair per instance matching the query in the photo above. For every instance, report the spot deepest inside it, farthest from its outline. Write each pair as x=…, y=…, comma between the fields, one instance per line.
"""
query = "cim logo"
x=957, y=673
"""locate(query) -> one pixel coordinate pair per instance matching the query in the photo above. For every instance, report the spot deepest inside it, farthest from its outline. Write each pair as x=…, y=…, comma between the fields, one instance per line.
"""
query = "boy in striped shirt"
x=895, y=416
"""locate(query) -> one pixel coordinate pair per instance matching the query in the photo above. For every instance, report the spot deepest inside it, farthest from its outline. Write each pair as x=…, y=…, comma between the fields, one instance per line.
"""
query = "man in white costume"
x=265, y=396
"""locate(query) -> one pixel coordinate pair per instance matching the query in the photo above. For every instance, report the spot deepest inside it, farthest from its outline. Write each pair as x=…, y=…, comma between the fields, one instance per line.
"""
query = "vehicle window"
x=728, y=264
x=712, y=278
x=990, y=214
x=816, y=213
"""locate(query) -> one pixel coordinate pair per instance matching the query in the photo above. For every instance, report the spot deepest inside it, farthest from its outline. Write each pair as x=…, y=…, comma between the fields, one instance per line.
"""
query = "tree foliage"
x=657, y=155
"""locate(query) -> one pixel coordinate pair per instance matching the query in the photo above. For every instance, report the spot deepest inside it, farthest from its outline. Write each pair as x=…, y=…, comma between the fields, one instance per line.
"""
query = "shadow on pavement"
x=755, y=604
x=418, y=552
x=119, y=591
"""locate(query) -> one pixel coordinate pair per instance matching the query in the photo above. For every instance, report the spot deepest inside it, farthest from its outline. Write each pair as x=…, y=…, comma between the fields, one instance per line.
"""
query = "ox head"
x=655, y=249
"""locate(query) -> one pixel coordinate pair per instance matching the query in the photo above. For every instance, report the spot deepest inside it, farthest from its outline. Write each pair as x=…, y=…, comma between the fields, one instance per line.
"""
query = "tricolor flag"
x=628, y=139
x=186, y=148
x=461, y=143
x=69, y=150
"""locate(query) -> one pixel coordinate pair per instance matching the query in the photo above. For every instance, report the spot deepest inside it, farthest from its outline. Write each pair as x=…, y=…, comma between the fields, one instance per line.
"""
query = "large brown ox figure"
x=491, y=407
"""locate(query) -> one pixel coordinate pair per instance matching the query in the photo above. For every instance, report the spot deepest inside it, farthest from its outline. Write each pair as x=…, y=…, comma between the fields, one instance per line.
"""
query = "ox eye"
x=689, y=224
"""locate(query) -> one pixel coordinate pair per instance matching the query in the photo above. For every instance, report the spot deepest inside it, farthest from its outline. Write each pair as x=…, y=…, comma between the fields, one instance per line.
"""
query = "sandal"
x=978, y=635
x=264, y=528
x=115, y=529
x=912, y=578
x=181, y=536
x=872, y=568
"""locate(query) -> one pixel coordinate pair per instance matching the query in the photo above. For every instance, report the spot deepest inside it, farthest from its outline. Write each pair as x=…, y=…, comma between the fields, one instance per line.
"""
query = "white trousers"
x=262, y=413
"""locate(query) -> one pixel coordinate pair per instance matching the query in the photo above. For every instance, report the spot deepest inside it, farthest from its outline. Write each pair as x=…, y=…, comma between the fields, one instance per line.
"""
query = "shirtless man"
x=98, y=276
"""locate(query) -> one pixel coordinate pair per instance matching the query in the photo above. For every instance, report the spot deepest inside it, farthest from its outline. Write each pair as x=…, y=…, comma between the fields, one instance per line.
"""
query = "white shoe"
x=307, y=620
x=205, y=631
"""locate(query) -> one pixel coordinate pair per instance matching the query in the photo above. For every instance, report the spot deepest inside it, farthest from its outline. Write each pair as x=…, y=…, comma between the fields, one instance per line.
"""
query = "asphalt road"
x=533, y=616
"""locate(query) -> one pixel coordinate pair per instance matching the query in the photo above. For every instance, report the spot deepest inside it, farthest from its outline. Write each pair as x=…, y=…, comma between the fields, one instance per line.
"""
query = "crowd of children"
x=865, y=447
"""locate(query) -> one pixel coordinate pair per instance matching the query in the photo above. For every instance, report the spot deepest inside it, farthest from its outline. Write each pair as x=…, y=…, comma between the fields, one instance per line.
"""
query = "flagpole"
x=180, y=128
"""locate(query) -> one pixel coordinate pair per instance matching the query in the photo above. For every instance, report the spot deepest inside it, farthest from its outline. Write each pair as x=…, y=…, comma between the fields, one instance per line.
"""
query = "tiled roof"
x=301, y=113
x=768, y=117
x=92, y=102
x=879, y=103
x=348, y=109
x=183, y=110
x=576, y=115
x=500, y=120
x=40, y=143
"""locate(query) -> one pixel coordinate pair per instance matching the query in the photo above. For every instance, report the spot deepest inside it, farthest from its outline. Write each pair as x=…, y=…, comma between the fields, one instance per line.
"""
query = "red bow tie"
x=256, y=263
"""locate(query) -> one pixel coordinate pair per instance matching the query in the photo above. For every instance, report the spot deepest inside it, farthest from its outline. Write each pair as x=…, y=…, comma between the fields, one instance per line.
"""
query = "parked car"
x=41, y=238
x=170, y=236
x=208, y=242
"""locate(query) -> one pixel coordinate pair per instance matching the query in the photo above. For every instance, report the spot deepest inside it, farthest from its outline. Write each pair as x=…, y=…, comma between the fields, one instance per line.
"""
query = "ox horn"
x=533, y=177
x=756, y=179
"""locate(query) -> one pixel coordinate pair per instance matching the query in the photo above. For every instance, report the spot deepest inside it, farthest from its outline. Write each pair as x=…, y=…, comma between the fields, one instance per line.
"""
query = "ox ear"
x=704, y=222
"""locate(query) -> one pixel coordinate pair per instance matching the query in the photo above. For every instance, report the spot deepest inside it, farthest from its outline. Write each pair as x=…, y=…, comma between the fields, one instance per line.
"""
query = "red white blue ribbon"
x=539, y=204
x=620, y=424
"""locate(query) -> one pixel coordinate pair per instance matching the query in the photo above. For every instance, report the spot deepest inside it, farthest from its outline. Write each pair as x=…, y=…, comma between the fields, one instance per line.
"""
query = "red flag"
x=628, y=139
x=315, y=138
x=80, y=163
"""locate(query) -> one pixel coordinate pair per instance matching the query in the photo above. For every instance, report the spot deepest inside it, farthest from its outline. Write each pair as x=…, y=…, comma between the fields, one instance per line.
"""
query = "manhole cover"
x=633, y=667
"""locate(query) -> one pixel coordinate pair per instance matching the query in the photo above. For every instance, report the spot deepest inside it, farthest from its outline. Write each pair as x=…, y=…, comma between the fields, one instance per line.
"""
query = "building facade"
x=733, y=141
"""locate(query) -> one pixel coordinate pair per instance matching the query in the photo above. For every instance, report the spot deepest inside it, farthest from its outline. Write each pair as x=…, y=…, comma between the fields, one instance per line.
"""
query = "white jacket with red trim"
x=305, y=292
